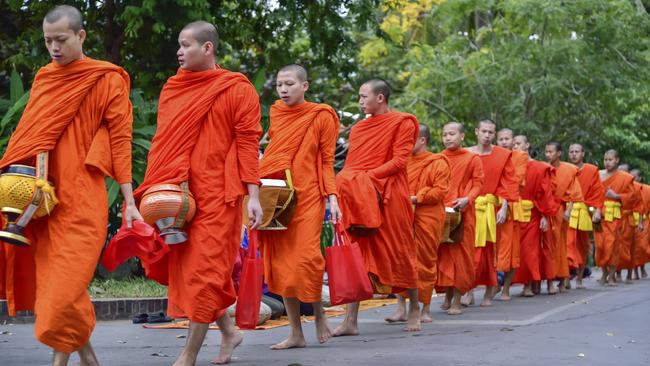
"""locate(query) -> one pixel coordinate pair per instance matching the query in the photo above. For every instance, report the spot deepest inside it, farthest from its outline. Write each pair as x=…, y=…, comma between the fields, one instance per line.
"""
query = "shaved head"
x=75, y=19
x=577, y=146
x=506, y=131
x=624, y=167
x=522, y=138
x=612, y=152
x=425, y=132
x=379, y=86
x=455, y=125
x=298, y=70
x=203, y=32
x=487, y=121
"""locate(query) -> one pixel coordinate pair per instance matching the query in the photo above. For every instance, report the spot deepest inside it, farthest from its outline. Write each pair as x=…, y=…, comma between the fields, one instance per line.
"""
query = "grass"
x=129, y=287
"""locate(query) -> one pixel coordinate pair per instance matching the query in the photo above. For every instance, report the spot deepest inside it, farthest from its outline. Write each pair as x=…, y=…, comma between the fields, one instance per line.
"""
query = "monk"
x=593, y=194
x=509, y=233
x=619, y=193
x=375, y=200
x=456, y=260
x=538, y=205
x=79, y=113
x=303, y=136
x=428, y=175
x=632, y=228
x=499, y=187
x=207, y=138
x=641, y=239
x=565, y=222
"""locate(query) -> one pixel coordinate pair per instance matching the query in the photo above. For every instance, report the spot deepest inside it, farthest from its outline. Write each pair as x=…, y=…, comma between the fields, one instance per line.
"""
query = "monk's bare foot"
x=454, y=311
x=291, y=342
x=562, y=289
x=486, y=302
x=611, y=282
x=185, y=360
x=445, y=305
x=602, y=281
x=467, y=299
x=425, y=317
x=413, y=322
x=323, y=331
x=504, y=297
x=579, y=285
x=345, y=329
x=228, y=345
x=536, y=287
x=397, y=317
x=568, y=284
x=551, y=289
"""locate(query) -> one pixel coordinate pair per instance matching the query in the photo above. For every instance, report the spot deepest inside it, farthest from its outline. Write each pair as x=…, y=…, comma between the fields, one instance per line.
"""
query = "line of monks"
x=529, y=219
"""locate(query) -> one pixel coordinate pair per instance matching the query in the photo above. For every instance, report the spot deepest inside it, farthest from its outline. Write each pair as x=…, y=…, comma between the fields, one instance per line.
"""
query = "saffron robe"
x=535, y=244
x=593, y=194
x=82, y=115
x=373, y=191
x=303, y=140
x=500, y=181
x=429, y=176
x=629, y=230
x=208, y=135
x=456, y=260
x=567, y=190
x=607, y=240
x=509, y=233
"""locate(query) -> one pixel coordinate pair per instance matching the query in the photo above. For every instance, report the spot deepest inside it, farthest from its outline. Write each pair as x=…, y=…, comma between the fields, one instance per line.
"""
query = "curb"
x=105, y=309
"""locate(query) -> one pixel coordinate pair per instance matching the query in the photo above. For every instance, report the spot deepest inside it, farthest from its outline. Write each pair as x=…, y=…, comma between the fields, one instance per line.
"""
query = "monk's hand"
x=612, y=195
x=131, y=214
x=460, y=203
x=502, y=214
x=254, y=208
x=597, y=216
x=567, y=214
x=543, y=224
x=335, y=210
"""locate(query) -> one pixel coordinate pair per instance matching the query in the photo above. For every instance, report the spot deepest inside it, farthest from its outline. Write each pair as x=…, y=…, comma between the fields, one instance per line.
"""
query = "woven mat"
x=334, y=311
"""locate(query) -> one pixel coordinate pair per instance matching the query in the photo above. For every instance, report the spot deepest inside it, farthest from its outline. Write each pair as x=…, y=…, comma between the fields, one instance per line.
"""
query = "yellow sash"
x=523, y=210
x=612, y=210
x=637, y=218
x=486, y=220
x=580, y=218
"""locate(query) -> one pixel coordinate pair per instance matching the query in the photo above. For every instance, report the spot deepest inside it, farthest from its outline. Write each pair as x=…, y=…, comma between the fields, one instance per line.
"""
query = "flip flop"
x=141, y=318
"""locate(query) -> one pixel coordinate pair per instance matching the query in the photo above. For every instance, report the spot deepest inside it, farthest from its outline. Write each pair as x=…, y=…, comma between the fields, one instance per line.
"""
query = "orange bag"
x=346, y=270
x=249, y=296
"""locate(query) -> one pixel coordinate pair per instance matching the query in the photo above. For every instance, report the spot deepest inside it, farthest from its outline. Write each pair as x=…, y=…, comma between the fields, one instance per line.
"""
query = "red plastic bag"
x=249, y=296
x=346, y=270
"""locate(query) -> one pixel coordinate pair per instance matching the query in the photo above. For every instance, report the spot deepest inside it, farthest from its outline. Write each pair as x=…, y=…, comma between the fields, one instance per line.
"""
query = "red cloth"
x=141, y=241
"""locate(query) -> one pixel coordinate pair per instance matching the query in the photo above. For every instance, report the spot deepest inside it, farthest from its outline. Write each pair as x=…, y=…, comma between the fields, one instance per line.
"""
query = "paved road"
x=594, y=326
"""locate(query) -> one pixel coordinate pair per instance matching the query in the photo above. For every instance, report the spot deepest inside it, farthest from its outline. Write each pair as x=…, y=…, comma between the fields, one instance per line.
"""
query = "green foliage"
x=572, y=71
x=137, y=287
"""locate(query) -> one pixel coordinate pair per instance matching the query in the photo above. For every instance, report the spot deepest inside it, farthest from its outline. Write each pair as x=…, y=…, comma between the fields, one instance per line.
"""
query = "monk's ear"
x=209, y=48
x=305, y=86
x=82, y=35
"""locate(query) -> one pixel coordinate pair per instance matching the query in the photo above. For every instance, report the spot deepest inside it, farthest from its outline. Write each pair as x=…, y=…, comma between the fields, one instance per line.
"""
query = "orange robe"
x=567, y=190
x=607, y=240
x=428, y=175
x=629, y=231
x=81, y=114
x=593, y=194
x=535, y=244
x=456, y=260
x=509, y=233
x=641, y=255
x=303, y=139
x=208, y=135
x=373, y=190
x=501, y=182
